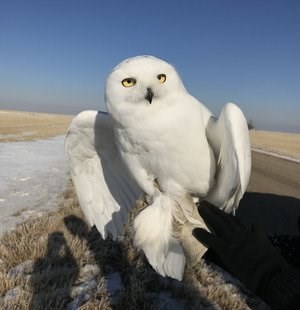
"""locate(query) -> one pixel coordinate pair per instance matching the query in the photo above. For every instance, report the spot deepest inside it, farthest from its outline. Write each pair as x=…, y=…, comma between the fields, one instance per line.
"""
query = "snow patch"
x=25, y=179
x=31, y=175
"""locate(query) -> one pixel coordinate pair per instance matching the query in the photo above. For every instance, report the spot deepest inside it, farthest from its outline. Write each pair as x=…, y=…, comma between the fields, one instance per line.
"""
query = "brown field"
x=27, y=126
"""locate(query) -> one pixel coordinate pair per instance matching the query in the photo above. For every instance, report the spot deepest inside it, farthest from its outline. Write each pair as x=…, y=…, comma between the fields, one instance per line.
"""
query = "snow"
x=31, y=176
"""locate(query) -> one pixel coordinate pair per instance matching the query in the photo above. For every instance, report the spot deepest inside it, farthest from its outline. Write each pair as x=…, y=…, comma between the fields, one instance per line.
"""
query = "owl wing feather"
x=229, y=138
x=104, y=188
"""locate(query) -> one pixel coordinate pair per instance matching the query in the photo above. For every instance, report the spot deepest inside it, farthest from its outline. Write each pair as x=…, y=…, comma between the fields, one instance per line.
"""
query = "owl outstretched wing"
x=229, y=138
x=105, y=189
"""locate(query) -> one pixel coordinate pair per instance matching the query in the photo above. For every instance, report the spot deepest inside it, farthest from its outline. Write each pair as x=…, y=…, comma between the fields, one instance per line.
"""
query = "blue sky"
x=55, y=55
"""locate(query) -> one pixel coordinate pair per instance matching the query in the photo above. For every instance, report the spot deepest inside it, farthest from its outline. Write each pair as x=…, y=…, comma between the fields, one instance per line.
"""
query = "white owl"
x=159, y=140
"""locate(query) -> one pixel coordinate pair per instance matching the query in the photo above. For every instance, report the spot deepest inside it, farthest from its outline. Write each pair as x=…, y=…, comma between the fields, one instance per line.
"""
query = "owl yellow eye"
x=161, y=78
x=128, y=82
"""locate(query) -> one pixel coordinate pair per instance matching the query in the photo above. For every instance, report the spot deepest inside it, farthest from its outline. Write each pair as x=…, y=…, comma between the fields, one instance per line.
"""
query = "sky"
x=56, y=55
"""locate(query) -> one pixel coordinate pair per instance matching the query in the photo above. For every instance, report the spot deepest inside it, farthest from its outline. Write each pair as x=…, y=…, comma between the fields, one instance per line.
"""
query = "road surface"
x=273, y=195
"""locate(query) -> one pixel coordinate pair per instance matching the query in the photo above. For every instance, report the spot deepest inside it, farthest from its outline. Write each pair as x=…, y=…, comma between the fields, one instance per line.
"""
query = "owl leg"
x=154, y=235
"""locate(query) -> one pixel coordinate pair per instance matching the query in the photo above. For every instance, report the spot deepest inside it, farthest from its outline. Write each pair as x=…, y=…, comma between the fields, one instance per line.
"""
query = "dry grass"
x=27, y=126
x=57, y=255
x=55, y=249
x=279, y=142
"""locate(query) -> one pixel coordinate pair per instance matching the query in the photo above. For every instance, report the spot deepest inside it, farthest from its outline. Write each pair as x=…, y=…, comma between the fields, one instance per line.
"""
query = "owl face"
x=141, y=81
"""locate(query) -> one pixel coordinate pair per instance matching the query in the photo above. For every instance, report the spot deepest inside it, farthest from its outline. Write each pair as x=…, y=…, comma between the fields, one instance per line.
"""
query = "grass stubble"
x=43, y=261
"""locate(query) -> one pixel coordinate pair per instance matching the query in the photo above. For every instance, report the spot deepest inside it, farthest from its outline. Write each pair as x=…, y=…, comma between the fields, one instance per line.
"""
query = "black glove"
x=246, y=254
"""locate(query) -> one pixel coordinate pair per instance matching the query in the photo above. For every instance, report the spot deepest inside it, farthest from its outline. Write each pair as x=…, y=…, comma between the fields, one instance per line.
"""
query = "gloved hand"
x=246, y=254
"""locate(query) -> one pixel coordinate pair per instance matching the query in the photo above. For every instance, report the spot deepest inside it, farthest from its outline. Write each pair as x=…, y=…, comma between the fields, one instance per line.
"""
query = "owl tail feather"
x=153, y=234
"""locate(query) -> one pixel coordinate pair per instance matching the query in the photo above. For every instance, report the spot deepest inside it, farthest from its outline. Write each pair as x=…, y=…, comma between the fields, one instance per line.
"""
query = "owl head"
x=141, y=81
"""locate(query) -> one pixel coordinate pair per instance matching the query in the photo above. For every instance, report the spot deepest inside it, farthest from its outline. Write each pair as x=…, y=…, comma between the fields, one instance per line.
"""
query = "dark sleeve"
x=283, y=290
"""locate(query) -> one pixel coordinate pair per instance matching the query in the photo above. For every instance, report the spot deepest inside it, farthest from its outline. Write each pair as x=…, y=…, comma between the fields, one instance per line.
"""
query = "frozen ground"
x=31, y=176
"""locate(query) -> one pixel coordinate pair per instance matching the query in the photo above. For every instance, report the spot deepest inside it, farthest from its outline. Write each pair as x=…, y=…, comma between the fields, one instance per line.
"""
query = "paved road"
x=273, y=196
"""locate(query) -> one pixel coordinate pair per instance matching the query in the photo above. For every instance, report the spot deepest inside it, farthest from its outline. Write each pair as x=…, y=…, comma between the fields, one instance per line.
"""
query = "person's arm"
x=249, y=256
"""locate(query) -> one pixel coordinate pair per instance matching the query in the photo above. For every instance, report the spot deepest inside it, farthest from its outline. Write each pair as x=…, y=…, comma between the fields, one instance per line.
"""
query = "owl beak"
x=149, y=95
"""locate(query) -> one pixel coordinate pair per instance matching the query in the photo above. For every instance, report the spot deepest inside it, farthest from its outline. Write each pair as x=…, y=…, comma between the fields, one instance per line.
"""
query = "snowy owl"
x=157, y=140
